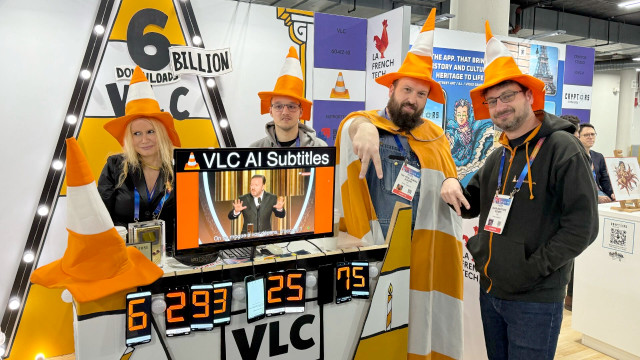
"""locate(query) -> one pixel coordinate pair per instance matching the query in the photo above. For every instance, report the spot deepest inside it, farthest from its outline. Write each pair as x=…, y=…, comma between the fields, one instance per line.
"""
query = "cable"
x=317, y=247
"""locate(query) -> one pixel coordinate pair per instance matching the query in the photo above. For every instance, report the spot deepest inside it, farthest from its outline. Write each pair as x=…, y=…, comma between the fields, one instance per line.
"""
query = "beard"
x=519, y=117
x=405, y=121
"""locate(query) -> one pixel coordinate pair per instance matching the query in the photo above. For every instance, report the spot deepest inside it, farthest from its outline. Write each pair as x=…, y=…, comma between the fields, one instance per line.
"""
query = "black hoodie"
x=532, y=259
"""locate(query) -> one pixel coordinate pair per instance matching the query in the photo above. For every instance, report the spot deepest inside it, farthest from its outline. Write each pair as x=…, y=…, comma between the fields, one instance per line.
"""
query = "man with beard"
x=287, y=105
x=538, y=210
x=412, y=152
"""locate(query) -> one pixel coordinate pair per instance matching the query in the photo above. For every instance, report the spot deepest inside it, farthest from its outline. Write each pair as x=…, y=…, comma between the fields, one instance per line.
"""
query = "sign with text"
x=576, y=97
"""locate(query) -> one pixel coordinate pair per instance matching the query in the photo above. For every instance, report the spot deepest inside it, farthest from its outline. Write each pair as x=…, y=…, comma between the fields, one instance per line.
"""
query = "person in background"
x=588, y=139
x=575, y=121
x=287, y=105
x=537, y=207
x=137, y=185
x=257, y=206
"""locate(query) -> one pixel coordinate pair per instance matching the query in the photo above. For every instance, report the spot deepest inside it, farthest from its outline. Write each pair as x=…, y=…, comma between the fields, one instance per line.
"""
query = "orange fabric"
x=148, y=108
x=418, y=67
x=499, y=70
x=138, y=76
x=77, y=175
x=424, y=264
x=94, y=265
x=357, y=202
x=287, y=85
x=187, y=214
x=323, y=209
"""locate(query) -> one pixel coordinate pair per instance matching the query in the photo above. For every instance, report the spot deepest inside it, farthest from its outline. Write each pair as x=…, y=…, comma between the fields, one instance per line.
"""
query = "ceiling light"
x=546, y=34
x=629, y=4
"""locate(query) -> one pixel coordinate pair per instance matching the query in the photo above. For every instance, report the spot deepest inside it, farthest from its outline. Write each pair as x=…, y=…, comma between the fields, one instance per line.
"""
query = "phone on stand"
x=255, y=298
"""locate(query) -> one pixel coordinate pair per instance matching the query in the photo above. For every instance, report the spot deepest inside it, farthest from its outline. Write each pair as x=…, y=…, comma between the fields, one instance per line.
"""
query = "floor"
x=569, y=346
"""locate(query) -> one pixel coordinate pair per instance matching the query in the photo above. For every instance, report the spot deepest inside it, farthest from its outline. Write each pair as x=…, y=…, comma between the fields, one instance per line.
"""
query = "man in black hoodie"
x=538, y=210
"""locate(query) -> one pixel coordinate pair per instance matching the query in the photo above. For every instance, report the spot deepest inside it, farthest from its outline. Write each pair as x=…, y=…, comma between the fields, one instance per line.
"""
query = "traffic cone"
x=192, y=164
x=340, y=92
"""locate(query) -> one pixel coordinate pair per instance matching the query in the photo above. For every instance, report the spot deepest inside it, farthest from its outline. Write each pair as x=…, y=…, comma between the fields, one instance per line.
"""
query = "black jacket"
x=119, y=201
x=260, y=218
x=532, y=259
x=602, y=177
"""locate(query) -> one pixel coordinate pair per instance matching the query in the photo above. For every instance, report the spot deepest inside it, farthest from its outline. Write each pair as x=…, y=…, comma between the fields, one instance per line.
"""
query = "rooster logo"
x=382, y=43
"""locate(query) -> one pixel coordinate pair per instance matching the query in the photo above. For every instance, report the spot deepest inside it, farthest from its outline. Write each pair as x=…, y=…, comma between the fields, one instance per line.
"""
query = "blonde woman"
x=137, y=185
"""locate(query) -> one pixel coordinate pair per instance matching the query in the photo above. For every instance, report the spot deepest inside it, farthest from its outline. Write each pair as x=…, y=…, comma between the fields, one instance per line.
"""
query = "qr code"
x=618, y=237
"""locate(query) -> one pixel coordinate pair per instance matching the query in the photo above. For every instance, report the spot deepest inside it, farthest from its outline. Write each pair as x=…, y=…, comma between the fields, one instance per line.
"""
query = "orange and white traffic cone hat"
x=499, y=66
x=192, y=164
x=340, y=91
x=290, y=83
x=96, y=262
x=419, y=62
x=141, y=102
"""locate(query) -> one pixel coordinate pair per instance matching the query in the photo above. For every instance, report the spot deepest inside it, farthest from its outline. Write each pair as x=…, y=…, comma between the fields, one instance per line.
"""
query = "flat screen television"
x=281, y=194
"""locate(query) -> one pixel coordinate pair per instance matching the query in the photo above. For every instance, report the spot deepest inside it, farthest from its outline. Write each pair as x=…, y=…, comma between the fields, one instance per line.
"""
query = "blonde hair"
x=132, y=160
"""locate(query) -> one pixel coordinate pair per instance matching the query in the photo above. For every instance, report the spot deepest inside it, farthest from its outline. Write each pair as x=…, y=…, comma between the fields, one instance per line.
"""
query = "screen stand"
x=253, y=252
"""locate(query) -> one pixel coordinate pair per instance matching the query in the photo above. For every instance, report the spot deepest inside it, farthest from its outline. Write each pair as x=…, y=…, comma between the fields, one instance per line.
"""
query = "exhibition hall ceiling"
x=613, y=31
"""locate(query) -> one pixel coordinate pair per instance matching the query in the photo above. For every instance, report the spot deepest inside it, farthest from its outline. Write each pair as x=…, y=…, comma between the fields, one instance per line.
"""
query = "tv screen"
x=234, y=197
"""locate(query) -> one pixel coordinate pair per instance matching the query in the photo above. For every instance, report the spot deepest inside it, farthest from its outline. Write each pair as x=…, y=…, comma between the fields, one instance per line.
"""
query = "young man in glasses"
x=287, y=106
x=537, y=209
x=588, y=139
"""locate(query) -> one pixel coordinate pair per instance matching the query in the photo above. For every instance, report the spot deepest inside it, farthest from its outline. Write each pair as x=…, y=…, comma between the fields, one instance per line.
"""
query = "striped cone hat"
x=340, y=91
x=419, y=62
x=96, y=262
x=192, y=164
x=289, y=83
x=141, y=102
x=499, y=66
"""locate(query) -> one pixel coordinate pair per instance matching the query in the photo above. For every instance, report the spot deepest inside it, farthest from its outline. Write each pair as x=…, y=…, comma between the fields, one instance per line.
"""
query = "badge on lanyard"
x=501, y=205
x=498, y=214
x=407, y=182
x=408, y=178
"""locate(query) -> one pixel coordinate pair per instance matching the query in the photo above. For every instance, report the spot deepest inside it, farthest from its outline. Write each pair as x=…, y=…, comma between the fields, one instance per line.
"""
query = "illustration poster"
x=623, y=173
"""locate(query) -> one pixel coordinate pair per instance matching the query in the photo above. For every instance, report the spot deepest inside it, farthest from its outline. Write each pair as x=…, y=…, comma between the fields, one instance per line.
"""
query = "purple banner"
x=578, y=65
x=327, y=116
x=583, y=115
x=340, y=42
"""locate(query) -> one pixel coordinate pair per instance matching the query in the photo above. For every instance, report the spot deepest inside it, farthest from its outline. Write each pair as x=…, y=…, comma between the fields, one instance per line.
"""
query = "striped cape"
x=436, y=279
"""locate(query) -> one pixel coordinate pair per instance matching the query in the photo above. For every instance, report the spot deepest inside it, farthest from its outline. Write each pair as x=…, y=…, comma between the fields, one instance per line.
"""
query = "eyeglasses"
x=280, y=107
x=505, y=97
x=589, y=135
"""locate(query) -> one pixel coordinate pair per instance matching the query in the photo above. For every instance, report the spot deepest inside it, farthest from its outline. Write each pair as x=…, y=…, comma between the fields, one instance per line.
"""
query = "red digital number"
x=204, y=303
x=133, y=315
x=222, y=300
x=294, y=287
x=270, y=298
x=176, y=307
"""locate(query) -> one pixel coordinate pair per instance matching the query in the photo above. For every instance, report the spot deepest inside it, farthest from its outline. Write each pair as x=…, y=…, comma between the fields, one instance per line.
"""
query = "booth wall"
x=43, y=46
x=604, y=110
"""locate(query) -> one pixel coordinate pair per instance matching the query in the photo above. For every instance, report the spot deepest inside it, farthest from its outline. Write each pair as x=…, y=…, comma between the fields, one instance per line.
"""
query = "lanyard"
x=136, y=202
x=402, y=150
x=524, y=171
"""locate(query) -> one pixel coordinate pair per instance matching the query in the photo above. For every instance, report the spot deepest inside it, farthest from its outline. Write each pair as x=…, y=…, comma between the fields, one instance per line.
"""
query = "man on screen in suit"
x=257, y=206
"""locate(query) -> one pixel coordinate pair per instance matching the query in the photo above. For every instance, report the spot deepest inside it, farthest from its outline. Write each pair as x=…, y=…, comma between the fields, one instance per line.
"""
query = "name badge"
x=407, y=182
x=498, y=214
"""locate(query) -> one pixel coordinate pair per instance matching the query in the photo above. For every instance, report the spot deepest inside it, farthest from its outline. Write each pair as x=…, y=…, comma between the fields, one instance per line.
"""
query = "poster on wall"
x=339, y=74
x=578, y=82
x=385, y=52
x=625, y=177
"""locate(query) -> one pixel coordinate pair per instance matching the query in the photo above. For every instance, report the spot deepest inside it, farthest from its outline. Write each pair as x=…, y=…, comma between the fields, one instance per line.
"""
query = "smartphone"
x=138, y=324
x=360, y=279
x=255, y=298
x=201, y=314
x=177, y=315
x=275, y=284
x=222, y=303
x=325, y=284
x=343, y=282
x=295, y=288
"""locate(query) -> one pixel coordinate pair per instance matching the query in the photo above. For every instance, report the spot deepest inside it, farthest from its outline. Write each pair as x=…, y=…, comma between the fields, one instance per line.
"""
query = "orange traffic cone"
x=192, y=164
x=340, y=92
